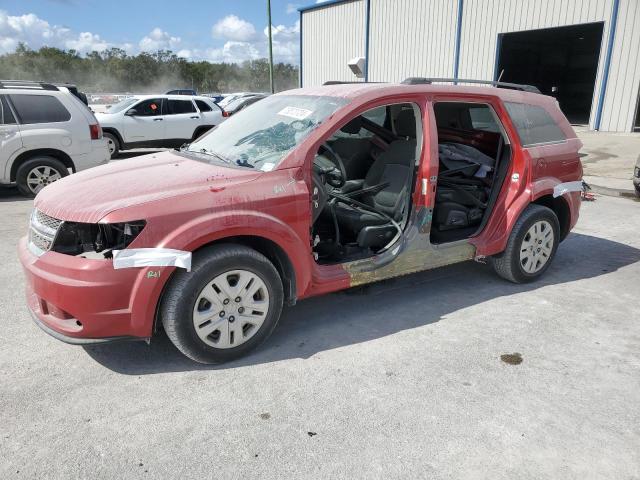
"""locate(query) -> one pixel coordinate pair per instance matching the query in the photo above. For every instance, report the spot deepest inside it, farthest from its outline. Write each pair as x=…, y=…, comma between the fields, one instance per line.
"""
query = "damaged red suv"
x=306, y=192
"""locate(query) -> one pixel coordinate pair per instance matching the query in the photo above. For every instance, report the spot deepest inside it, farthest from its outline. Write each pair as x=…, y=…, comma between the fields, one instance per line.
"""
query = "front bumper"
x=79, y=300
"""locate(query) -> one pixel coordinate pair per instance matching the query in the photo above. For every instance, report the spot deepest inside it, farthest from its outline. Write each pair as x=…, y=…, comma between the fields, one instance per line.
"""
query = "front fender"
x=213, y=227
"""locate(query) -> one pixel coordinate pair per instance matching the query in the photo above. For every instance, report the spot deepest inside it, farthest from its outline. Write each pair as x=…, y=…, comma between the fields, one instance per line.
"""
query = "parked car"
x=240, y=103
x=46, y=131
x=157, y=121
x=636, y=177
x=230, y=97
x=183, y=91
x=309, y=191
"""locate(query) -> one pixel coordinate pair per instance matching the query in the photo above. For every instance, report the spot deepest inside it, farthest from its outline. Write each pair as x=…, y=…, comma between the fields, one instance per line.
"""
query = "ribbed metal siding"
x=483, y=20
x=411, y=38
x=331, y=36
x=621, y=96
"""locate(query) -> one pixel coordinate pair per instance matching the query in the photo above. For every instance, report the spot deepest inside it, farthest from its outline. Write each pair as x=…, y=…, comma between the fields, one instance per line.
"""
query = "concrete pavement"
x=402, y=380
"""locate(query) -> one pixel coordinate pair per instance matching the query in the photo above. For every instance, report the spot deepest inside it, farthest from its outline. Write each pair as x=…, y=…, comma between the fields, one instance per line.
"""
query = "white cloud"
x=234, y=28
x=35, y=32
x=241, y=40
x=158, y=39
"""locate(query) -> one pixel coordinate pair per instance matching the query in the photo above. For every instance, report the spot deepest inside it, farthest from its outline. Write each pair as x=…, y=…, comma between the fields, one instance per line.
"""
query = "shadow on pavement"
x=342, y=319
x=11, y=194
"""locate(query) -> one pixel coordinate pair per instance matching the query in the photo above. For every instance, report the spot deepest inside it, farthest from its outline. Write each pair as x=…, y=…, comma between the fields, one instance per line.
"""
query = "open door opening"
x=474, y=156
x=561, y=62
x=363, y=180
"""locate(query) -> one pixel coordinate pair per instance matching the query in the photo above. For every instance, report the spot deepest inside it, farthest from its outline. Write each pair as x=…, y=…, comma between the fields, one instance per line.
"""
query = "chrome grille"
x=42, y=232
x=46, y=220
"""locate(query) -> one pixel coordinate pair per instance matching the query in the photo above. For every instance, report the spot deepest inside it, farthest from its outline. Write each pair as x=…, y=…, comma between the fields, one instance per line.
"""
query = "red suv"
x=306, y=192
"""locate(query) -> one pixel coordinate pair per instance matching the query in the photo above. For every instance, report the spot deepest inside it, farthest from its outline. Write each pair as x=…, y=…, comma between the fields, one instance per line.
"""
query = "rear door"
x=146, y=125
x=181, y=119
x=10, y=140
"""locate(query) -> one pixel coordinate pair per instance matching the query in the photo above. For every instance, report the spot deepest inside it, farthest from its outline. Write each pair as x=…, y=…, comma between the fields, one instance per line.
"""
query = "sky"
x=213, y=30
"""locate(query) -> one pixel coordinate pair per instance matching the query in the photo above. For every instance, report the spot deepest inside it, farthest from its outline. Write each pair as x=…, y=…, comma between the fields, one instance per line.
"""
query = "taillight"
x=225, y=113
x=96, y=131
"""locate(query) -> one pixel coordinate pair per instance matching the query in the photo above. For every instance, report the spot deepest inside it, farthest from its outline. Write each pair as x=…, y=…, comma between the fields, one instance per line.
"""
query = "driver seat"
x=394, y=167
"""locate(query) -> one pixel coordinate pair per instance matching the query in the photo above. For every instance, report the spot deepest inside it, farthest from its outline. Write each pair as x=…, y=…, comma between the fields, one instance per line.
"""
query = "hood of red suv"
x=90, y=195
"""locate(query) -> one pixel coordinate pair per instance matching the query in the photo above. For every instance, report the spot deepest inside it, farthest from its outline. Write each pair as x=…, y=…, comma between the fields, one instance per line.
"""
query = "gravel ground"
x=401, y=380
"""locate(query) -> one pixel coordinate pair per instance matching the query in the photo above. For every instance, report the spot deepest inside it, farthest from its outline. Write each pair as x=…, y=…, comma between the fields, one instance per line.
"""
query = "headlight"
x=95, y=239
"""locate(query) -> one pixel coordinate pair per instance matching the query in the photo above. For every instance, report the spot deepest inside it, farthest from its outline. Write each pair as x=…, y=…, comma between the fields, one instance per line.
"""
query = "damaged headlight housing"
x=95, y=240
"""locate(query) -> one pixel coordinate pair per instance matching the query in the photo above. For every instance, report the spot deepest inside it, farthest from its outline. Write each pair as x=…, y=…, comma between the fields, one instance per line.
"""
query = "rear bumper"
x=98, y=155
x=80, y=301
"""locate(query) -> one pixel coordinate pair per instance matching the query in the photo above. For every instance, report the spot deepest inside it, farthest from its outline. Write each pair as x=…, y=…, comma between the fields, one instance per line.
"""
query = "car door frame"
x=11, y=132
x=148, y=122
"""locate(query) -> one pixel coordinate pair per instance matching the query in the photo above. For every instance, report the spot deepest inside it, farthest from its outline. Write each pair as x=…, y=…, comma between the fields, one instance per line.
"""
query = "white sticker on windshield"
x=297, y=113
x=267, y=167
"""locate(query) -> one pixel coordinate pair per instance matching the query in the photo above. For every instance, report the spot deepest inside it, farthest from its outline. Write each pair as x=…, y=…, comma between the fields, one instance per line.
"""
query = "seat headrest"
x=406, y=124
x=353, y=126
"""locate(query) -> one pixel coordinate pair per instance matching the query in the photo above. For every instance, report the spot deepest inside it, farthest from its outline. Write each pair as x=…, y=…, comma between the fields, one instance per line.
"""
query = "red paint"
x=188, y=204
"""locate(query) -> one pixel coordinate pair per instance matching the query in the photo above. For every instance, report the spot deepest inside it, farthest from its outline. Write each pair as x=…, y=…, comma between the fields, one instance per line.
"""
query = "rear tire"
x=212, y=320
x=531, y=246
x=113, y=144
x=38, y=172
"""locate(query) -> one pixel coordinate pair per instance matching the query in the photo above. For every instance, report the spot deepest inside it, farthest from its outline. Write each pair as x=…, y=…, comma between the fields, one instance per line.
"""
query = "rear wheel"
x=531, y=246
x=112, y=144
x=226, y=306
x=38, y=172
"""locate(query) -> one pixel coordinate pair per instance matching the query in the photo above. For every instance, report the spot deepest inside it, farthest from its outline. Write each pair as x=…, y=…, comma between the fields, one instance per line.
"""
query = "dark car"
x=182, y=91
x=636, y=177
x=240, y=104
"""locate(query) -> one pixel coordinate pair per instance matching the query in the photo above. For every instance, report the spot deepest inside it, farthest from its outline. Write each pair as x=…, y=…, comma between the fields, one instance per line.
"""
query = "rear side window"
x=6, y=116
x=39, y=109
x=180, y=106
x=203, y=106
x=534, y=124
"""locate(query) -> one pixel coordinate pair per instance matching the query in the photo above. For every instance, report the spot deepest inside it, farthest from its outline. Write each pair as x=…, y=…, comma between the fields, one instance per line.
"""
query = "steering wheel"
x=333, y=180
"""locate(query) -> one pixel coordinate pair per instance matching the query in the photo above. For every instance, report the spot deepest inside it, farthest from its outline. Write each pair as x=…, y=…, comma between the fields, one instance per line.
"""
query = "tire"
x=510, y=264
x=113, y=144
x=38, y=172
x=198, y=298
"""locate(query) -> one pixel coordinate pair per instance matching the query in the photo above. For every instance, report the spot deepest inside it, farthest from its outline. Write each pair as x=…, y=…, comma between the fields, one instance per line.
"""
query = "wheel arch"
x=114, y=131
x=560, y=207
x=29, y=154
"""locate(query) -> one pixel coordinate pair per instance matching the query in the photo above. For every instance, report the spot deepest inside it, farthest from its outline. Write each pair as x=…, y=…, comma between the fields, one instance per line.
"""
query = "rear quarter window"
x=39, y=109
x=534, y=124
x=203, y=106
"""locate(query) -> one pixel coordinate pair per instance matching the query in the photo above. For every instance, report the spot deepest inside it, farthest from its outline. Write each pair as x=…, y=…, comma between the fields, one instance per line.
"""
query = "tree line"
x=114, y=71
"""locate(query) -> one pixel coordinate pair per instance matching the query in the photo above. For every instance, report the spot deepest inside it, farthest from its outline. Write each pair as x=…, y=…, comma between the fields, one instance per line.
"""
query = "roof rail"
x=512, y=86
x=340, y=82
x=27, y=84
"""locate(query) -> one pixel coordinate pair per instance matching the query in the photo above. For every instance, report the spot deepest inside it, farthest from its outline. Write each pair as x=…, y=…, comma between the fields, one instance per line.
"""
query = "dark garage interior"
x=561, y=62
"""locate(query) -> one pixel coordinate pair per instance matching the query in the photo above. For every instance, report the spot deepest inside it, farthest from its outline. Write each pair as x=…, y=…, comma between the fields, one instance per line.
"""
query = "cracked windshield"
x=261, y=136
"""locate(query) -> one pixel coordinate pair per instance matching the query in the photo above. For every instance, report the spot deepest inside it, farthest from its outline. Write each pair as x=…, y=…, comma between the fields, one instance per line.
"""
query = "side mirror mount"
x=132, y=112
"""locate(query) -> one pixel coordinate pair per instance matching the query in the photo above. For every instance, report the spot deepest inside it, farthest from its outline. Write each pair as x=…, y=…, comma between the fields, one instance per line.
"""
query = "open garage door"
x=561, y=62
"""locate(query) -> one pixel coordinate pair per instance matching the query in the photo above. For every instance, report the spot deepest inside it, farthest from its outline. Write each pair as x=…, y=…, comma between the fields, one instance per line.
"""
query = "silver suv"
x=46, y=132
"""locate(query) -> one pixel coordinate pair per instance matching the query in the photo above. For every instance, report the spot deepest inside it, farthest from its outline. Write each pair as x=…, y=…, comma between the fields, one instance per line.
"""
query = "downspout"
x=456, y=59
x=366, y=39
x=607, y=62
x=300, y=60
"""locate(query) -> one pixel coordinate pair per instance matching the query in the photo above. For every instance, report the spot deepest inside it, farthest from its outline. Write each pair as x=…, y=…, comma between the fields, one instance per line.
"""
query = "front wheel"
x=112, y=144
x=531, y=246
x=225, y=307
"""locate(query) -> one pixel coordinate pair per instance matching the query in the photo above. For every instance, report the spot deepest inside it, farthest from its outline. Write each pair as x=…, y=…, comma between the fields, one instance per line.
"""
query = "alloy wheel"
x=536, y=247
x=230, y=309
x=111, y=145
x=41, y=176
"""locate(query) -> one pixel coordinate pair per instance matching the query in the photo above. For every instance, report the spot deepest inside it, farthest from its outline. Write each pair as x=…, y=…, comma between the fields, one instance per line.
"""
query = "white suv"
x=158, y=121
x=46, y=131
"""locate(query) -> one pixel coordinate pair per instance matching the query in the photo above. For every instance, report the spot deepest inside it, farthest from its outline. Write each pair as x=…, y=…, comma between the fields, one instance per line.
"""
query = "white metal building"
x=584, y=52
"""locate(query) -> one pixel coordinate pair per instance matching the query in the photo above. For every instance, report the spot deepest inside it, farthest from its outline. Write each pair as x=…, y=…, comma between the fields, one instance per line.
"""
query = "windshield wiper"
x=210, y=153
